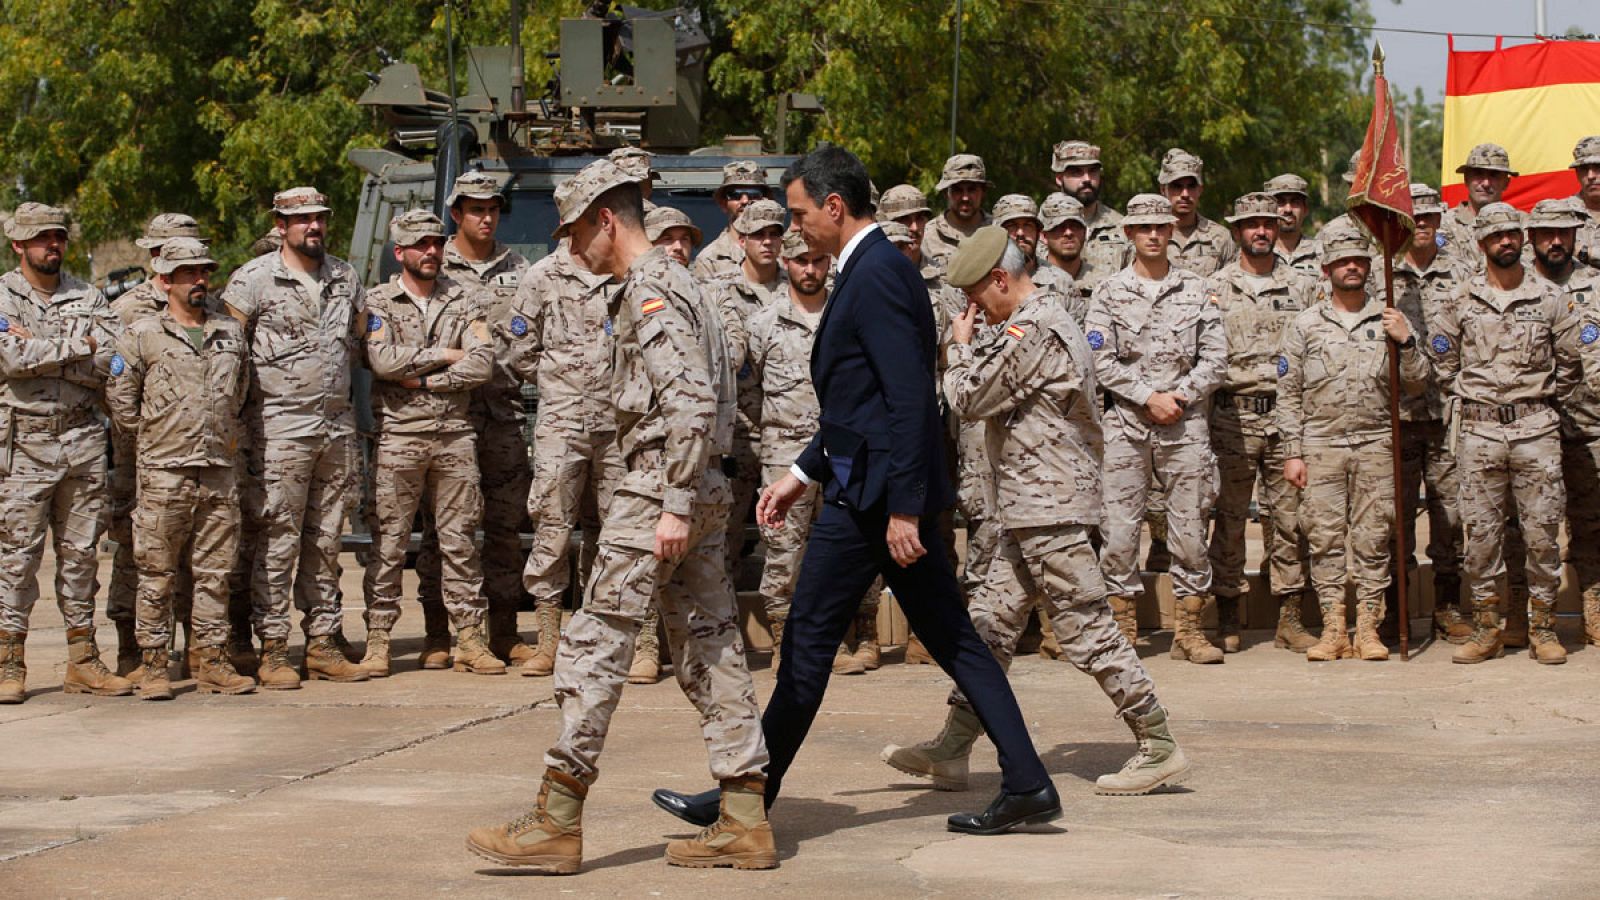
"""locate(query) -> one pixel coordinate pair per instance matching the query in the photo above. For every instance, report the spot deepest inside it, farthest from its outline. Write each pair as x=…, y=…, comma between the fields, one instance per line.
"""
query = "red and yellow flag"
x=1536, y=100
x=1381, y=195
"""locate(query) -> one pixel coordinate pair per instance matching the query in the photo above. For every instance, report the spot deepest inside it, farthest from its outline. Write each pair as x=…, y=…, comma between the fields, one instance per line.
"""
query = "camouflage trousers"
x=505, y=478
x=1425, y=460
x=1189, y=472
x=1349, y=500
x=701, y=618
x=122, y=593
x=745, y=483
x=973, y=491
x=1580, y=467
x=54, y=484
x=188, y=515
x=1054, y=566
x=574, y=475
x=786, y=547
x=1241, y=459
x=1499, y=478
x=441, y=469
x=304, y=487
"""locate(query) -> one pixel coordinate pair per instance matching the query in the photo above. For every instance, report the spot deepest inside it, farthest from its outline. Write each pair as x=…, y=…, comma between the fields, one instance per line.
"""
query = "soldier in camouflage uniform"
x=964, y=183
x=429, y=348
x=1553, y=228
x=743, y=183
x=1486, y=173
x=303, y=311
x=1198, y=244
x=1019, y=216
x=1586, y=202
x=56, y=335
x=177, y=386
x=1500, y=343
x=1257, y=295
x=672, y=231
x=1160, y=350
x=1066, y=265
x=1333, y=418
x=1031, y=380
x=1294, y=203
x=1079, y=175
x=662, y=542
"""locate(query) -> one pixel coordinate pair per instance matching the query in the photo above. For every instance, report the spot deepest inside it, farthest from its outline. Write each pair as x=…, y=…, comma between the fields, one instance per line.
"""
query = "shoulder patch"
x=1440, y=344
x=519, y=326
x=373, y=323
x=610, y=331
x=118, y=364
x=1015, y=332
x=5, y=324
x=652, y=306
x=1590, y=333
x=1096, y=339
x=1439, y=240
x=1283, y=365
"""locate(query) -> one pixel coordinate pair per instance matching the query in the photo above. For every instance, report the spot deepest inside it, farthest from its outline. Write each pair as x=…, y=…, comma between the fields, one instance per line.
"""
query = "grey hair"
x=1012, y=262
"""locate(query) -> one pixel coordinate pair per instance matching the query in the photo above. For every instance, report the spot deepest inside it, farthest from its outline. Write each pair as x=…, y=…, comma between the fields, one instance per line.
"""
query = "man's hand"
x=411, y=383
x=962, y=326
x=1396, y=326
x=773, y=507
x=1164, y=408
x=1294, y=472
x=905, y=541
x=453, y=355
x=672, y=537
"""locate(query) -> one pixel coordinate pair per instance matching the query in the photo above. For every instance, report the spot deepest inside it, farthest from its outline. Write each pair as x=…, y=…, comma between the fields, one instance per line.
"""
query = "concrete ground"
x=1343, y=779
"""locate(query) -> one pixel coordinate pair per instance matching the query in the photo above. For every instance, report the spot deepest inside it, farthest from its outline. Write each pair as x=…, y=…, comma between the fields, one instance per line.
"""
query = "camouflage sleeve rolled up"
x=1211, y=354
x=123, y=393
x=476, y=366
x=1291, y=363
x=674, y=360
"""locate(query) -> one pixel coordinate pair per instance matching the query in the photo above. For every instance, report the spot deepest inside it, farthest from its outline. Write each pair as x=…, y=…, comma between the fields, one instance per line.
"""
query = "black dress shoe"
x=1010, y=810
x=699, y=810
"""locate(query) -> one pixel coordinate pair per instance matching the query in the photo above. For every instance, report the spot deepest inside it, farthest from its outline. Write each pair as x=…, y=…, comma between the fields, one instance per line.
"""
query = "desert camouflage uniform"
x=941, y=239
x=1456, y=225
x=1075, y=290
x=676, y=403
x=1580, y=432
x=1587, y=245
x=1306, y=256
x=722, y=258
x=1105, y=245
x=737, y=300
x=1203, y=251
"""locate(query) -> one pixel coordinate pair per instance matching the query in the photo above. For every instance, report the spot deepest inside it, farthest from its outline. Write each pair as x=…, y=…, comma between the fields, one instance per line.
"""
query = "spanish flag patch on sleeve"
x=653, y=305
x=1016, y=331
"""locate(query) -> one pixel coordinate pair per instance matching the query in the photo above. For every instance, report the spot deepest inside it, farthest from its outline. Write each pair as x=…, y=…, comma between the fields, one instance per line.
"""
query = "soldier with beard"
x=1079, y=175
x=1294, y=204
x=965, y=184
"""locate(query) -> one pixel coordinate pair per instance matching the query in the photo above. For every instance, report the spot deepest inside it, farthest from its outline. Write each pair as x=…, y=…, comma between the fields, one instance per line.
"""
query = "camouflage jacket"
x=1580, y=411
x=1253, y=319
x=405, y=340
x=941, y=239
x=779, y=357
x=1421, y=295
x=50, y=381
x=1203, y=251
x=501, y=399
x=1305, y=257
x=1105, y=246
x=559, y=332
x=182, y=403
x=719, y=259
x=1587, y=250
x=1060, y=281
x=737, y=300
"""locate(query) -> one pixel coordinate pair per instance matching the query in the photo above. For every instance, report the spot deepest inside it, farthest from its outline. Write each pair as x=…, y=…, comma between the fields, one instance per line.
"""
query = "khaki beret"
x=1288, y=183
x=1073, y=153
x=1496, y=218
x=902, y=200
x=575, y=195
x=167, y=226
x=964, y=167
x=1149, y=209
x=182, y=251
x=977, y=256
x=1256, y=205
x=33, y=219
x=413, y=225
x=1489, y=157
x=300, y=201
x=1015, y=206
x=758, y=215
x=1587, y=153
x=1059, y=209
x=476, y=186
x=662, y=219
x=1180, y=163
x=1554, y=214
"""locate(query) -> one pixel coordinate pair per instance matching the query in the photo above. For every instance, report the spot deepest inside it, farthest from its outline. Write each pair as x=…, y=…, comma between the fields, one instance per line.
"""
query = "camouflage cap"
x=902, y=200
x=635, y=163
x=758, y=215
x=1287, y=183
x=1555, y=214
x=1180, y=163
x=300, y=201
x=413, y=225
x=977, y=256
x=1255, y=205
x=1349, y=175
x=271, y=242
x=167, y=226
x=1587, y=153
x=575, y=195
x=894, y=231
x=475, y=186
x=740, y=173
x=1015, y=206
x=795, y=246
x=1496, y=218
x=180, y=252
x=663, y=218
x=1344, y=242
x=963, y=167
x=1490, y=158
x=1073, y=153
x=1425, y=201
x=33, y=219
x=1149, y=209
x=1059, y=209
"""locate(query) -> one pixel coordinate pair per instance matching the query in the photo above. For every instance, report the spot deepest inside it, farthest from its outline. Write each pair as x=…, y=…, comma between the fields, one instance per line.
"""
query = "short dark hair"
x=830, y=169
x=626, y=202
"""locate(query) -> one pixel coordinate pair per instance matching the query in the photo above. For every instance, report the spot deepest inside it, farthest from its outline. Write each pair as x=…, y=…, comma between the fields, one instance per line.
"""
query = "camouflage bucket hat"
x=1554, y=214
x=902, y=200
x=1059, y=209
x=1288, y=183
x=575, y=195
x=1496, y=218
x=1587, y=153
x=271, y=242
x=411, y=226
x=1180, y=163
x=1344, y=243
x=795, y=246
x=33, y=219
x=963, y=167
x=300, y=201
x=1349, y=175
x=894, y=231
x=1073, y=153
x=1489, y=157
x=758, y=215
x=1149, y=209
x=1256, y=205
x=1015, y=206
x=977, y=256
x=475, y=186
x=740, y=173
x=663, y=218
x=167, y=226
x=635, y=163
x=182, y=251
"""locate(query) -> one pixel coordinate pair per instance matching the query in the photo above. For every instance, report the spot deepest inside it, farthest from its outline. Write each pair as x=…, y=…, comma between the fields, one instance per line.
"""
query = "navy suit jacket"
x=873, y=367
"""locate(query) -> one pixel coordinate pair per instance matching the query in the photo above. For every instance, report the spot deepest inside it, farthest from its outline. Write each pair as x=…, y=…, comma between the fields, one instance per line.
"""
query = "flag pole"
x=1400, y=553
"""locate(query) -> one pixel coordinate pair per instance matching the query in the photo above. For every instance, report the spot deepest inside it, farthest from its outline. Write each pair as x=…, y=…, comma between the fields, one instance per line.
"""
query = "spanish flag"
x=1536, y=100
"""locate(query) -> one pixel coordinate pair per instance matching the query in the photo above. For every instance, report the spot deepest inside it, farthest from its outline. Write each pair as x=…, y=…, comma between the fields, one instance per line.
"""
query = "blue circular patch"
x=118, y=365
x=1439, y=240
x=373, y=322
x=1440, y=344
x=5, y=324
x=1590, y=333
x=1096, y=340
x=1283, y=366
x=519, y=326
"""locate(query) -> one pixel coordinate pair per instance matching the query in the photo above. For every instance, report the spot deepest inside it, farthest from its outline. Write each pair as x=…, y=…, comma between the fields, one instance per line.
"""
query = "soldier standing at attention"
x=1586, y=202
x=672, y=231
x=1080, y=175
x=1294, y=203
x=965, y=184
x=1065, y=234
x=1487, y=173
x=742, y=184
x=1198, y=244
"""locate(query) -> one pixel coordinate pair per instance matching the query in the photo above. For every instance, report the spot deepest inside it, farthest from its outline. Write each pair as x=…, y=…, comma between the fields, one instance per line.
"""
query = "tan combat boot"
x=127, y=647
x=1514, y=632
x=1292, y=634
x=777, y=643
x=345, y=647
x=325, y=662
x=504, y=640
x=1334, y=644
x=845, y=662
x=868, y=652
x=275, y=673
x=1544, y=646
x=646, y=668
x=1125, y=611
x=13, y=668
x=151, y=676
x=214, y=673
x=1369, y=646
x=916, y=654
x=86, y=674
x=943, y=759
x=435, y=639
x=1449, y=622
x=472, y=652
x=544, y=654
x=1228, y=624
x=741, y=837
x=1486, y=641
x=1049, y=647
x=1591, y=615
x=1188, y=641
x=548, y=839
x=375, y=662
x=1159, y=760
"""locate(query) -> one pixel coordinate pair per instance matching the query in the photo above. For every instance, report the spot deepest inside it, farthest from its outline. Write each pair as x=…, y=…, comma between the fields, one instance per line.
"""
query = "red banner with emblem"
x=1380, y=198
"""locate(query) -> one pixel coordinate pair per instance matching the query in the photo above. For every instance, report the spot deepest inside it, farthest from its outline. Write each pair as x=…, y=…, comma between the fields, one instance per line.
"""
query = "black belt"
x=1504, y=413
x=1246, y=402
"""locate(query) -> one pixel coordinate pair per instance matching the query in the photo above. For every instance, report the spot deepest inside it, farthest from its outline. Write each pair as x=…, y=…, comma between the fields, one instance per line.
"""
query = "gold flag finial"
x=1377, y=58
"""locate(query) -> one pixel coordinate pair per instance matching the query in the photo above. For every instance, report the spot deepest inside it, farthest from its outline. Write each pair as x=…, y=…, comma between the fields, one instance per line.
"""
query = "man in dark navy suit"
x=878, y=454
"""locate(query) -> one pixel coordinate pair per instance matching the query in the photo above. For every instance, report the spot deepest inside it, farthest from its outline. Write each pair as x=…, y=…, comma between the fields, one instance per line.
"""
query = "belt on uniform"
x=653, y=458
x=1246, y=403
x=56, y=423
x=1504, y=413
